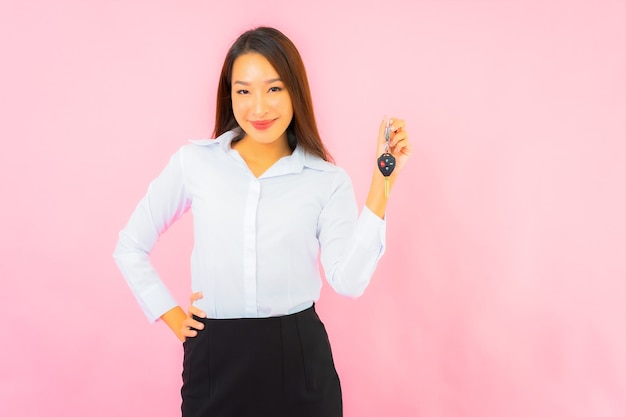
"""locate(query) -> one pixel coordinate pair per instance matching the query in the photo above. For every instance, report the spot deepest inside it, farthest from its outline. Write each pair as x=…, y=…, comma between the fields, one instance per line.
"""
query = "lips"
x=262, y=124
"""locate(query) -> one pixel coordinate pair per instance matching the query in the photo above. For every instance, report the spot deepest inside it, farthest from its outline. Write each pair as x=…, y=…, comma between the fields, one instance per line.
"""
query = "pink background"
x=503, y=289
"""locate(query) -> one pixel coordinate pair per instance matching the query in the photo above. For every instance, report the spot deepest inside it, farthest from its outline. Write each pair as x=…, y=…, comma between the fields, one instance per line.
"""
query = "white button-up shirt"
x=257, y=241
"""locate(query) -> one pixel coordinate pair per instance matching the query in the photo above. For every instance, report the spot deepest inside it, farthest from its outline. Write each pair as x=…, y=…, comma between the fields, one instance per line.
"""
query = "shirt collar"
x=222, y=140
x=293, y=163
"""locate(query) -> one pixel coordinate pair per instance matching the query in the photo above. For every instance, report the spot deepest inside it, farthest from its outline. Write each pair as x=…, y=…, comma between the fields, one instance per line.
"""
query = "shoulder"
x=316, y=163
x=331, y=176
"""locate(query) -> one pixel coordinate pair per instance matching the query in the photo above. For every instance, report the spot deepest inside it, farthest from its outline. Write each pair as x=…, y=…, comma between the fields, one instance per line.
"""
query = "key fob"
x=386, y=164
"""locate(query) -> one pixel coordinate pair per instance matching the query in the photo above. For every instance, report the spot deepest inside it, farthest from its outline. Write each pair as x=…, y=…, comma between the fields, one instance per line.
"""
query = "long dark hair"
x=285, y=58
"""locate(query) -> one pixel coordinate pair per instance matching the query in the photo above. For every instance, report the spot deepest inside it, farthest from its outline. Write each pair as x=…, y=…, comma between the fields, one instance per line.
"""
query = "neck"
x=256, y=151
x=261, y=156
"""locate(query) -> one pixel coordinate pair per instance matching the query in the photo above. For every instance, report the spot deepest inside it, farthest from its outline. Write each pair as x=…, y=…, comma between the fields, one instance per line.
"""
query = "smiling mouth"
x=262, y=124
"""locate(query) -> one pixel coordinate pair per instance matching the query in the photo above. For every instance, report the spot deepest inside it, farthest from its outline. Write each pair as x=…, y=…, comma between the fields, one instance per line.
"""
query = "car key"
x=386, y=162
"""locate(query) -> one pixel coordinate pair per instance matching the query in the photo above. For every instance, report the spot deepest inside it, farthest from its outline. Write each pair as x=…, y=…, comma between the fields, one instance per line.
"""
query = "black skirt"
x=277, y=366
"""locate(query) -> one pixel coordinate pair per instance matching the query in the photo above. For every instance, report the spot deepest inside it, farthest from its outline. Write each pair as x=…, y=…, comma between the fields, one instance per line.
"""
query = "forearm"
x=376, y=200
x=352, y=273
x=174, y=319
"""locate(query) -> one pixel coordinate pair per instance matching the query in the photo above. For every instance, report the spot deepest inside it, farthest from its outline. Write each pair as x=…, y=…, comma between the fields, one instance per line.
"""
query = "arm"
x=165, y=201
x=351, y=250
x=174, y=318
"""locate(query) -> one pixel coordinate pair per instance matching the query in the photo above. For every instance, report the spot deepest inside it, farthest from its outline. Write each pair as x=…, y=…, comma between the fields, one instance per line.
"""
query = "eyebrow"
x=271, y=80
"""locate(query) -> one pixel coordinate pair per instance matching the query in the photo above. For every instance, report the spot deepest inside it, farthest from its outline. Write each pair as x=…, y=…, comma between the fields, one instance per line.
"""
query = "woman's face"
x=261, y=103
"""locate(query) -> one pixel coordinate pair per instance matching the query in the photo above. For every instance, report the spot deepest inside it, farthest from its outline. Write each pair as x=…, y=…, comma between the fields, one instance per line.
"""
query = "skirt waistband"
x=310, y=311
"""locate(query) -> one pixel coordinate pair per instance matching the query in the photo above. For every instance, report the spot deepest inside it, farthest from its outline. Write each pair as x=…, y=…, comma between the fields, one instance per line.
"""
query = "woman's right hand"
x=190, y=326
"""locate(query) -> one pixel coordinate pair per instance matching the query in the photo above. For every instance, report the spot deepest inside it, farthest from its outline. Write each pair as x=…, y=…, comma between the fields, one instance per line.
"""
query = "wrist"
x=174, y=319
x=376, y=200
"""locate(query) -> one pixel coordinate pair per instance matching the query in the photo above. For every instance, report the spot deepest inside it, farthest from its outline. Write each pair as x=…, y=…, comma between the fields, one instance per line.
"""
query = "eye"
x=275, y=89
x=242, y=91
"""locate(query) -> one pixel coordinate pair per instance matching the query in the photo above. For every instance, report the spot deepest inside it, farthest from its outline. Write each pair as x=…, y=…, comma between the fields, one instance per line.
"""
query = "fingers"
x=399, y=137
x=191, y=327
x=397, y=131
x=195, y=296
x=397, y=124
x=396, y=127
x=195, y=311
x=192, y=308
x=400, y=143
x=190, y=324
x=402, y=147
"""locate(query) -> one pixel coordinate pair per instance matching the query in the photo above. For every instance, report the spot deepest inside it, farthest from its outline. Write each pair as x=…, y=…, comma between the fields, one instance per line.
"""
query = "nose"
x=260, y=105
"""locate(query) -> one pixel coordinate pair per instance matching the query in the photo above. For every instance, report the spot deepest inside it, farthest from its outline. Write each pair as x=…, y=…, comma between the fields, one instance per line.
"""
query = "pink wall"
x=503, y=289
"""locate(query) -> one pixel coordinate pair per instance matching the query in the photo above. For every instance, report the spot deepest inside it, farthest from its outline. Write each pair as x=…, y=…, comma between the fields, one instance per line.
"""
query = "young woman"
x=266, y=203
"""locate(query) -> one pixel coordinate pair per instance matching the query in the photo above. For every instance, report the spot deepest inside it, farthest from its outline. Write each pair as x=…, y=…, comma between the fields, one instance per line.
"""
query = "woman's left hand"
x=399, y=145
x=400, y=148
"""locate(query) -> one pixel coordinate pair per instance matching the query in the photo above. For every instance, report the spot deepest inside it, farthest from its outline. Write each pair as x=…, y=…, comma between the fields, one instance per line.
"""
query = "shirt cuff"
x=161, y=301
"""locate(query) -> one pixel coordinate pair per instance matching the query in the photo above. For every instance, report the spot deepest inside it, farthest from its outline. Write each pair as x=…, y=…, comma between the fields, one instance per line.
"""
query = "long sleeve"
x=165, y=201
x=350, y=248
